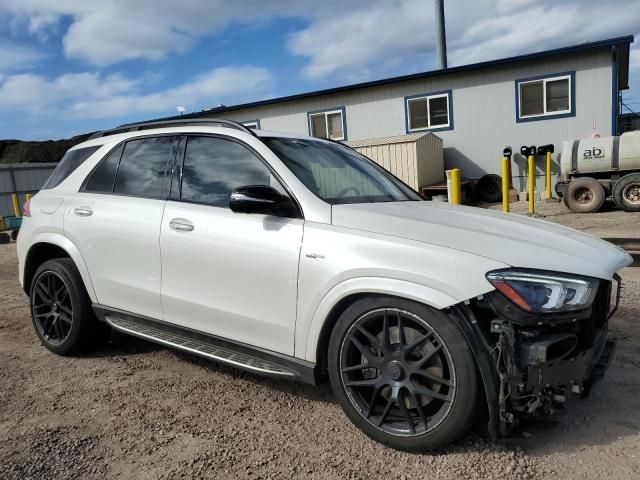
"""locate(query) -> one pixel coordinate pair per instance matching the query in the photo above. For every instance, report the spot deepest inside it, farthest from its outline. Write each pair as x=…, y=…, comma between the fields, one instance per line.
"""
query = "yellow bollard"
x=16, y=205
x=455, y=187
x=505, y=185
x=548, y=176
x=532, y=184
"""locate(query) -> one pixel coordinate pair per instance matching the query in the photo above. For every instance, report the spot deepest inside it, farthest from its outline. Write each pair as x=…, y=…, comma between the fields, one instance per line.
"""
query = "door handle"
x=83, y=211
x=181, y=225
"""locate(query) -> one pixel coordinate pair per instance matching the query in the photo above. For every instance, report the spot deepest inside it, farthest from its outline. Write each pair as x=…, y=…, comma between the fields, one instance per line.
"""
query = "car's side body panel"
x=337, y=262
x=233, y=275
x=119, y=241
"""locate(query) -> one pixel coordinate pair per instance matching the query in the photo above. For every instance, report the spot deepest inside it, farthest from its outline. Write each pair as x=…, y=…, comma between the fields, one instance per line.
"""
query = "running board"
x=259, y=361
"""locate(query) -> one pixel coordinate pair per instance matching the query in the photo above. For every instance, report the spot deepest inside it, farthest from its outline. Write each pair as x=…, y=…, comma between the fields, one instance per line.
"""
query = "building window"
x=430, y=111
x=328, y=124
x=253, y=124
x=542, y=97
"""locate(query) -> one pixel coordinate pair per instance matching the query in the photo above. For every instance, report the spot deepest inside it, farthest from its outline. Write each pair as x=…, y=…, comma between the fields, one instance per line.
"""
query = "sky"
x=74, y=66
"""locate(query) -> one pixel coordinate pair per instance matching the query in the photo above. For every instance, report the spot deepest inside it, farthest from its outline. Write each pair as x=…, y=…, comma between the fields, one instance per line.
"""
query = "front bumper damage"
x=531, y=364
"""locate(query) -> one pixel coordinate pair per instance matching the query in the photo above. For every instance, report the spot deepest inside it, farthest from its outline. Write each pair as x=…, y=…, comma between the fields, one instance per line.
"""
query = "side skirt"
x=228, y=352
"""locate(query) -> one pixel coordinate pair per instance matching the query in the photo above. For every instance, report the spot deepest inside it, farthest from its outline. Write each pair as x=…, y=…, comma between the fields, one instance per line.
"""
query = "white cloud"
x=539, y=26
x=363, y=36
x=352, y=39
x=108, y=32
x=90, y=95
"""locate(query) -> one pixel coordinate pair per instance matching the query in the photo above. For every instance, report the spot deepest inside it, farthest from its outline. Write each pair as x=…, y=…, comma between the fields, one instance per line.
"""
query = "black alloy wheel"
x=403, y=373
x=61, y=309
x=397, y=372
x=52, y=309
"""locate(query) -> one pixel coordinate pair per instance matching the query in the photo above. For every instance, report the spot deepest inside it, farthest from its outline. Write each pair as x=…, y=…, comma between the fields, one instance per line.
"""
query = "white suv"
x=299, y=258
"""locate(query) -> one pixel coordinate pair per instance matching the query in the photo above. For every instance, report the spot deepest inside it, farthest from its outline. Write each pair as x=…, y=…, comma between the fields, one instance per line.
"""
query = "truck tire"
x=489, y=188
x=584, y=195
x=626, y=193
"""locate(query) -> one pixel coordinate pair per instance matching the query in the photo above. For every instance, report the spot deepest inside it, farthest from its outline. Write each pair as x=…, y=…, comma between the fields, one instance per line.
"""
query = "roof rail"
x=133, y=127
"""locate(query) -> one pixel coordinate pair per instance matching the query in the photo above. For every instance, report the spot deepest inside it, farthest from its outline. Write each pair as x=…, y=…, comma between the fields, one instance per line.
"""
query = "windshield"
x=338, y=174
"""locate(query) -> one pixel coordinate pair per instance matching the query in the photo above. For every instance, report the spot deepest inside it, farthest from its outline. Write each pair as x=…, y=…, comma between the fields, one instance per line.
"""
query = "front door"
x=228, y=274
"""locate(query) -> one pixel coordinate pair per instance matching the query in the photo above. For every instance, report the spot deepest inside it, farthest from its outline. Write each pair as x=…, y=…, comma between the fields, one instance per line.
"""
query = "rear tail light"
x=26, y=208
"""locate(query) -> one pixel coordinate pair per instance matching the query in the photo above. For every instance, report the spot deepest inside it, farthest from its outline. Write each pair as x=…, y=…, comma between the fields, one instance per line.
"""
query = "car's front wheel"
x=403, y=373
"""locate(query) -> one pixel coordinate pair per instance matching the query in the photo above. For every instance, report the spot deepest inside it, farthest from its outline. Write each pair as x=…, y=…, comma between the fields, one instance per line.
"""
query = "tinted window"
x=103, y=177
x=142, y=167
x=71, y=160
x=213, y=167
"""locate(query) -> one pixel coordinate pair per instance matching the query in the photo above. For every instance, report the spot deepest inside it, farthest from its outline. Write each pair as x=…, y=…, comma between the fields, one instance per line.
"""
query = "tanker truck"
x=596, y=168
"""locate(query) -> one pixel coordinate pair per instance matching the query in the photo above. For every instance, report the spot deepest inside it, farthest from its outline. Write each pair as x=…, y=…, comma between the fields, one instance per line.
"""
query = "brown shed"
x=415, y=158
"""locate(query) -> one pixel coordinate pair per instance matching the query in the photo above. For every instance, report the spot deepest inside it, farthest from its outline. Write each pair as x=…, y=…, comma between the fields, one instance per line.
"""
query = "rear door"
x=115, y=222
x=230, y=274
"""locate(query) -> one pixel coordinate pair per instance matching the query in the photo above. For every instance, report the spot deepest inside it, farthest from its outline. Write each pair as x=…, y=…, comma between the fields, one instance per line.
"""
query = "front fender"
x=68, y=246
x=372, y=285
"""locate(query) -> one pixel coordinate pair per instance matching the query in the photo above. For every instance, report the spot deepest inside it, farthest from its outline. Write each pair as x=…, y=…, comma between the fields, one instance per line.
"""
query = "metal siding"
x=5, y=182
x=28, y=178
x=32, y=179
x=483, y=109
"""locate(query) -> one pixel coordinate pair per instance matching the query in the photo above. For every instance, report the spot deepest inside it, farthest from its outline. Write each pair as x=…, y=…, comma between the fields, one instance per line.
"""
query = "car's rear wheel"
x=403, y=373
x=60, y=308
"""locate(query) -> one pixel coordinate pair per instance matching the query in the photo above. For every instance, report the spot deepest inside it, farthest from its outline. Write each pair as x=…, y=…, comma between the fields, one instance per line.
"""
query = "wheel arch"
x=52, y=246
x=344, y=294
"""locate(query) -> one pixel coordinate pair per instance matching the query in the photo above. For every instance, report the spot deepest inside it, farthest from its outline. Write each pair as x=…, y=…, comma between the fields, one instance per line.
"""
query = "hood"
x=512, y=239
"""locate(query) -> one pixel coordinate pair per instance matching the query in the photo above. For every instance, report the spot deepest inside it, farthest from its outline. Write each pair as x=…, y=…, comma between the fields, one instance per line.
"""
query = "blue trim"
x=333, y=109
x=427, y=95
x=614, y=92
x=625, y=40
x=256, y=121
x=549, y=116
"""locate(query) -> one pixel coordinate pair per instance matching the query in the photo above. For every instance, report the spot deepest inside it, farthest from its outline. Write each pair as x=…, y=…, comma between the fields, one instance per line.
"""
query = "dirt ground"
x=136, y=410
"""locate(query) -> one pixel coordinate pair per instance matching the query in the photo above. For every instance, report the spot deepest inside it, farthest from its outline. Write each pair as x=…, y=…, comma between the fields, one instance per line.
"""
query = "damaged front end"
x=531, y=360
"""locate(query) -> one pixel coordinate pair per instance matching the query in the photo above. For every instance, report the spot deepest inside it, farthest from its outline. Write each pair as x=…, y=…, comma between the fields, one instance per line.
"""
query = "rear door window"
x=143, y=167
x=70, y=162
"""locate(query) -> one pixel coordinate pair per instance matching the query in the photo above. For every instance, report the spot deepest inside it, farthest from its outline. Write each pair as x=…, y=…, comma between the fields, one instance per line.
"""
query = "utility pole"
x=441, y=35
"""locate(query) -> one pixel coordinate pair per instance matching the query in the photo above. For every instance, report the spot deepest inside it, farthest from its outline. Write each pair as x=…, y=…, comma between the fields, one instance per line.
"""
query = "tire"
x=14, y=235
x=489, y=188
x=626, y=193
x=373, y=373
x=584, y=195
x=61, y=309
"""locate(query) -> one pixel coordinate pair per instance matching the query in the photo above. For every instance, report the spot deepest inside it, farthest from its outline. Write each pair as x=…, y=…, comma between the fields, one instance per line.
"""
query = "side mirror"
x=260, y=199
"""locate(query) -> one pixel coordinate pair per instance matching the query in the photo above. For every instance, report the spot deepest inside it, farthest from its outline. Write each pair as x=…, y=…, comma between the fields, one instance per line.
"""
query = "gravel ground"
x=135, y=410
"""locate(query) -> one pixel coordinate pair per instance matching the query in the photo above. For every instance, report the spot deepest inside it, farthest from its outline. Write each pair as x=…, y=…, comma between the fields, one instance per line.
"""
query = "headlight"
x=545, y=292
